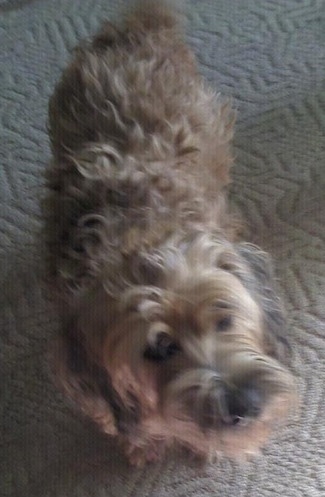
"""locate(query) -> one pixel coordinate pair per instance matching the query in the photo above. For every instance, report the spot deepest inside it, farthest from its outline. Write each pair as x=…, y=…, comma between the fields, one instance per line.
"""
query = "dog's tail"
x=154, y=15
x=143, y=17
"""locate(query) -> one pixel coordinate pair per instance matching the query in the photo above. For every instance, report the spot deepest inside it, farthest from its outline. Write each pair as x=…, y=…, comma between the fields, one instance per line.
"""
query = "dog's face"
x=196, y=351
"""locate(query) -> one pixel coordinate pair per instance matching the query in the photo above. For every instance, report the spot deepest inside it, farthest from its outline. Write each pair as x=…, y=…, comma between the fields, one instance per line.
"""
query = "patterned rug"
x=269, y=56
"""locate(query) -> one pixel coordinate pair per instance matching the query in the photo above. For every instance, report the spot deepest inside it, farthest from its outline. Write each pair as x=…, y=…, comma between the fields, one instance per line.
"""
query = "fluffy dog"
x=171, y=327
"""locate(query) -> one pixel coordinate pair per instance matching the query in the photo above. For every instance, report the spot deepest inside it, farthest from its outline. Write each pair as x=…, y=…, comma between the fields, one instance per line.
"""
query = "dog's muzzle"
x=230, y=406
x=215, y=403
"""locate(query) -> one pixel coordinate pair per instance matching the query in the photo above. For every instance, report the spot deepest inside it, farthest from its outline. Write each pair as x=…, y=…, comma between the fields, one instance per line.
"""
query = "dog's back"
x=132, y=76
x=138, y=141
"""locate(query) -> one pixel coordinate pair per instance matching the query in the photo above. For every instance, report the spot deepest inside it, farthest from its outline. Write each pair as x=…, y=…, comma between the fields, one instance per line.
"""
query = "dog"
x=172, y=332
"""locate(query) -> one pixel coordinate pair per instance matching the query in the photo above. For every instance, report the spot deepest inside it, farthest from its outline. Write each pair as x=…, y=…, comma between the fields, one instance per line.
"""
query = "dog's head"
x=194, y=342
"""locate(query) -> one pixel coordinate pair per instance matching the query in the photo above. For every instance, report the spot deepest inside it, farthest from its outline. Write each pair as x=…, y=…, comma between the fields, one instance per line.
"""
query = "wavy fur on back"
x=140, y=148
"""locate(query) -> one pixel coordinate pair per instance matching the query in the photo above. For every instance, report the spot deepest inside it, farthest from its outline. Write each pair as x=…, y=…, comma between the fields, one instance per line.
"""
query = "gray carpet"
x=269, y=56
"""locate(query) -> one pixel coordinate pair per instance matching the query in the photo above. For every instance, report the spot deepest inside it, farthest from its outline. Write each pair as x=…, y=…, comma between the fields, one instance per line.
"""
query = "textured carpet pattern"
x=269, y=56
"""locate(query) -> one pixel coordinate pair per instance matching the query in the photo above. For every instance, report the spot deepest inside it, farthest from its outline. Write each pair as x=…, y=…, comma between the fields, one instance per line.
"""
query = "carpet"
x=269, y=56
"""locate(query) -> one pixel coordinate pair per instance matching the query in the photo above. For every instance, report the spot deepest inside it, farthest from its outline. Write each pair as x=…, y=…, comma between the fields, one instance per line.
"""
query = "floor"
x=269, y=56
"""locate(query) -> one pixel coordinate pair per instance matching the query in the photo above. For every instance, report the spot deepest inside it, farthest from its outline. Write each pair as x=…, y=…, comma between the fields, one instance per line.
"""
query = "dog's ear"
x=79, y=372
x=258, y=278
x=94, y=389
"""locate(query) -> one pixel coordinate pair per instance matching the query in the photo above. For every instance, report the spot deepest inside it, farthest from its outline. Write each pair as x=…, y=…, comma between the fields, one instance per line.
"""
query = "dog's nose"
x=241, y=404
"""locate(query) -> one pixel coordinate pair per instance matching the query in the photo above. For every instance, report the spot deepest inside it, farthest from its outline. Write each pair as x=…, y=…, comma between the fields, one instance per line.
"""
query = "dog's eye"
x=224, y=323
x=163, y=348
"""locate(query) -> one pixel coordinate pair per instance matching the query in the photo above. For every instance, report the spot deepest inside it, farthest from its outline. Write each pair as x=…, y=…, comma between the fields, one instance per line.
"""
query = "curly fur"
x=140, y=239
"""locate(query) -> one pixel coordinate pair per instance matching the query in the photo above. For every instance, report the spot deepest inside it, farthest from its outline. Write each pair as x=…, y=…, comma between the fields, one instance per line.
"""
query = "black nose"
x=241, y=404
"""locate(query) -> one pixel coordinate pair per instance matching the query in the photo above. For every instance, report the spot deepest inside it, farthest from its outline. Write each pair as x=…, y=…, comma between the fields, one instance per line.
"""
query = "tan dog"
x=170, y=326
